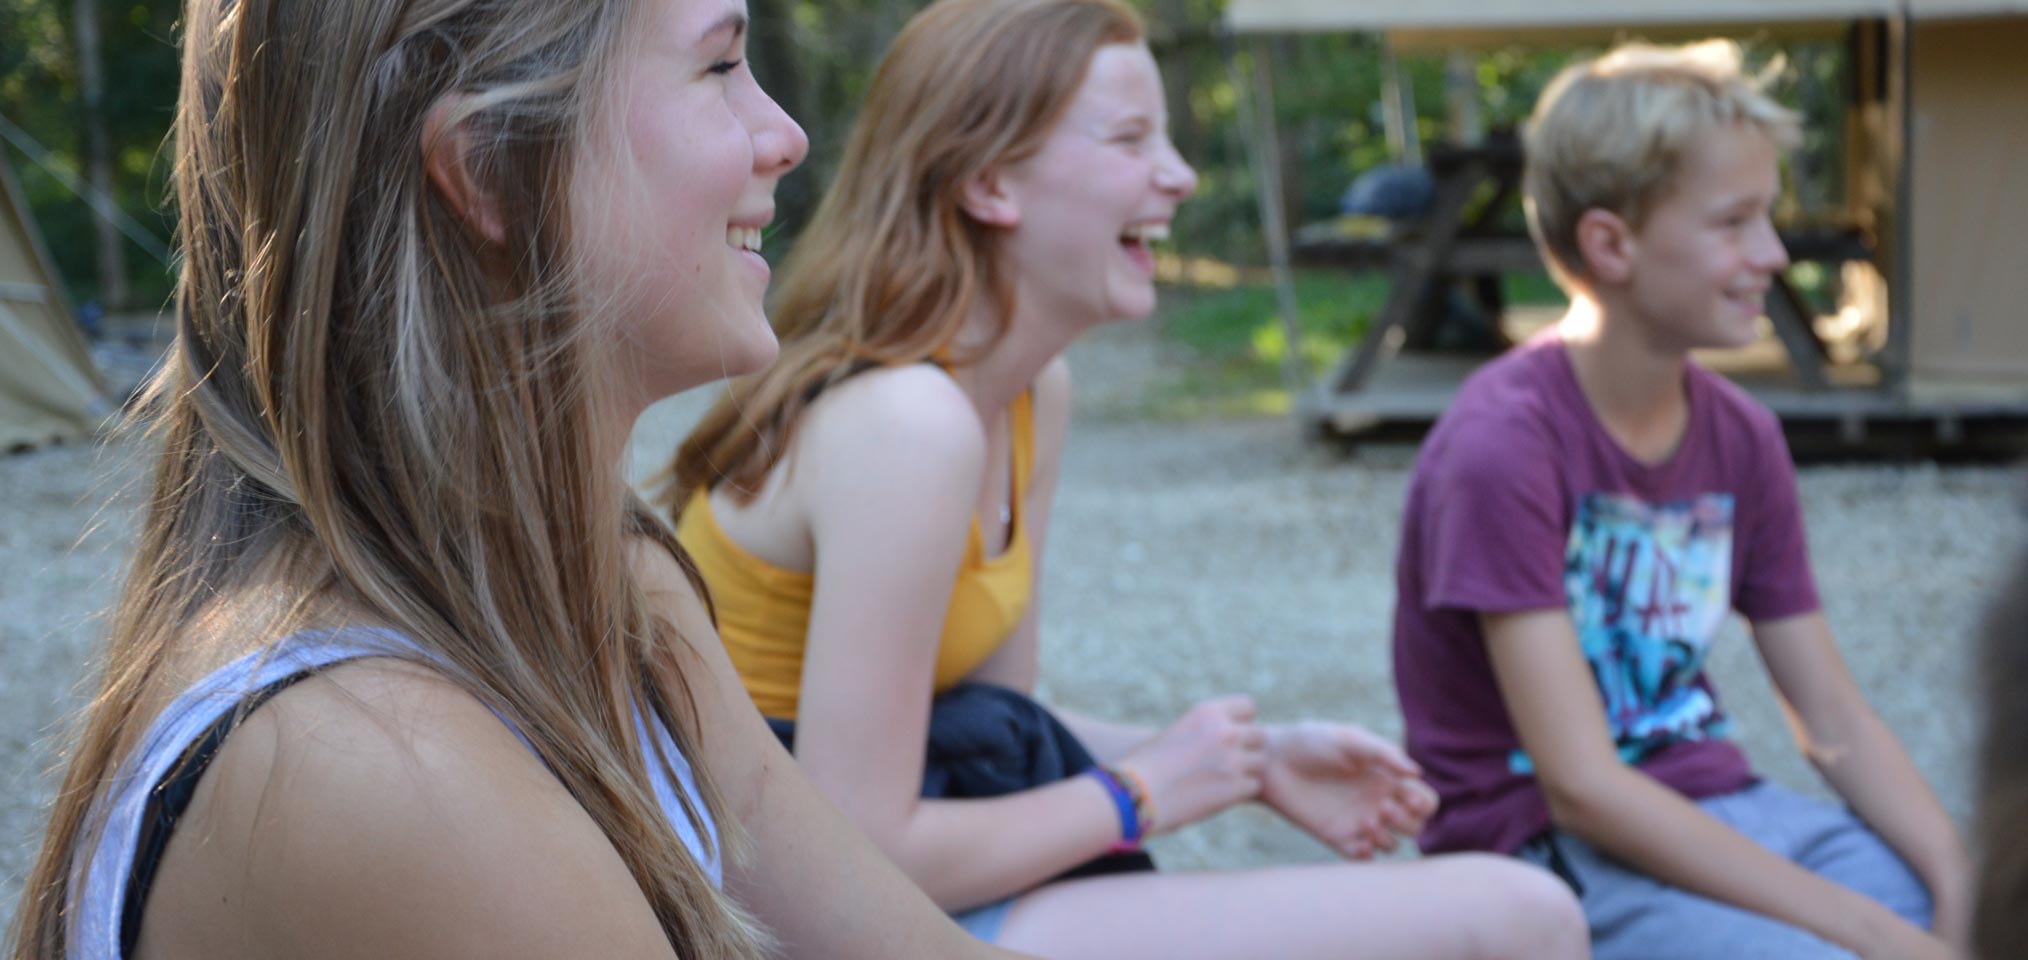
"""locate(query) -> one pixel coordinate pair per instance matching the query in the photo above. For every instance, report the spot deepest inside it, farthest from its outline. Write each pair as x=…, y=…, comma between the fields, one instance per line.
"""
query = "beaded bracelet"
x=1131, y=824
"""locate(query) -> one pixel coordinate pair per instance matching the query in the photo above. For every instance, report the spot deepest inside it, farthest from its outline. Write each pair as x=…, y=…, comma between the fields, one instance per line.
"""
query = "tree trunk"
x=1298, y=137
x=98, y=152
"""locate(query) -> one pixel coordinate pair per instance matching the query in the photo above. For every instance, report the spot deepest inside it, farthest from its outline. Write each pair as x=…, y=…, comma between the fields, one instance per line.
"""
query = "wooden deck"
x=1854, y=416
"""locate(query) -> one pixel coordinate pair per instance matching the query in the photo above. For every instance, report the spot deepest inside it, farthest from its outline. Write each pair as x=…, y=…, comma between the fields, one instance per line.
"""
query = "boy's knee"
x=1522, y=911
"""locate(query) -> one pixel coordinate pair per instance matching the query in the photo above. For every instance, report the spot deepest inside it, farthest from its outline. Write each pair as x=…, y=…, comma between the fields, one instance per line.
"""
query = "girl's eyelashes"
x=724, y=67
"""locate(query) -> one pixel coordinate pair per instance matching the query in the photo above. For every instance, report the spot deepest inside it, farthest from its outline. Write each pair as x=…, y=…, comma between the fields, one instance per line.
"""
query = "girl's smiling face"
x=672, y=223
x=1105, y=183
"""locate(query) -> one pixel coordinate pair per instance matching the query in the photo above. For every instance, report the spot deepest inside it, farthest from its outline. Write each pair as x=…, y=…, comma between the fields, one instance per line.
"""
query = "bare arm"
x=812, y=878
x=1109, y=741
x=1348, y=788
x=1017, y=663
x=1556, y=712
x=1841, y=735
x=890, y=532
x=1341, y=784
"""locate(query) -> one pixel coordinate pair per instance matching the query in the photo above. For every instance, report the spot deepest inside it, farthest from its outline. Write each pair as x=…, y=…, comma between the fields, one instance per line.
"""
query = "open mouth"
x=1139, y=240
x=1753, y=301
x=743, y=238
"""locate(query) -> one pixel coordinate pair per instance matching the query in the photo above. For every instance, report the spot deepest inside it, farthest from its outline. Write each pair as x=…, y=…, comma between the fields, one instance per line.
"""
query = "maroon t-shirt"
x=1522, y=501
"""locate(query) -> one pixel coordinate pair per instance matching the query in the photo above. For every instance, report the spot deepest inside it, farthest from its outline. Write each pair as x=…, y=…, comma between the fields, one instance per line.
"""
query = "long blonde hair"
x=891, y=265
x=363, y=397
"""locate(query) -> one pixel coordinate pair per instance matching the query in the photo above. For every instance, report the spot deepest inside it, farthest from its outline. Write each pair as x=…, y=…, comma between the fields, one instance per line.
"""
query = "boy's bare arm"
x=1555, y=707
x=1841, y=735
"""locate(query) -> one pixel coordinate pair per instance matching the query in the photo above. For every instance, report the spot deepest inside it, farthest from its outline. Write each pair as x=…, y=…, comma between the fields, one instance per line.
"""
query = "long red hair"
x=891, y=264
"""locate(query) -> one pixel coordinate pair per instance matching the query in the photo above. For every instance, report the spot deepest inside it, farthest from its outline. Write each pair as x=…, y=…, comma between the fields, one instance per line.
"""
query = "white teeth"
x=1148, y=232
x=743, y=238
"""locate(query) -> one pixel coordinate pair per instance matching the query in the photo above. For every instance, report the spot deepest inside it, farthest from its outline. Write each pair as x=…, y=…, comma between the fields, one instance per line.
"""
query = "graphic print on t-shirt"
x=1648, y=587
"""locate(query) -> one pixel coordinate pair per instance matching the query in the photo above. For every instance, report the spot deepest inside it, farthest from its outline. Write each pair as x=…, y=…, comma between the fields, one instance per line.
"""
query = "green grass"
x=1229, y=342
x=1240, y=329
x=1232, y=341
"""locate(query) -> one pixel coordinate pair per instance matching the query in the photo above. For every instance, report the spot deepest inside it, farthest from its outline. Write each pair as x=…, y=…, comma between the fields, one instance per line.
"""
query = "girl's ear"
x=1608, y=244
x=986, y=198
x=445, y=149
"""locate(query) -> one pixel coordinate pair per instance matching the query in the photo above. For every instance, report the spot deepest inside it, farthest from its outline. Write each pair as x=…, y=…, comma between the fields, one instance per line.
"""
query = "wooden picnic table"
x=1456, y=239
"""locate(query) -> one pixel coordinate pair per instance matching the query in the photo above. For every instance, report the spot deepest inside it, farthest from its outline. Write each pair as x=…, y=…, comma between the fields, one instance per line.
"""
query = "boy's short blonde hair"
x=1612, y=134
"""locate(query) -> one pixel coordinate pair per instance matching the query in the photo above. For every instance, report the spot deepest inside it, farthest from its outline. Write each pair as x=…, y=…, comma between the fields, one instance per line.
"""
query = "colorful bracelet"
x=1144, y=803
x=1132, y=828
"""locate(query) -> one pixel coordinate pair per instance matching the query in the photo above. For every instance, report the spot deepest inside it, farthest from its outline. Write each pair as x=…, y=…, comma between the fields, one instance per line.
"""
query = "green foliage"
x=40, y=92
x=1232, y=341
x=817, y=57
x=1241, y=326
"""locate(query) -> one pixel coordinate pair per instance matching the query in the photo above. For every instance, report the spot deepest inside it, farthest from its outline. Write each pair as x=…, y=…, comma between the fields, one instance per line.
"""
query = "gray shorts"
x=1633, y=916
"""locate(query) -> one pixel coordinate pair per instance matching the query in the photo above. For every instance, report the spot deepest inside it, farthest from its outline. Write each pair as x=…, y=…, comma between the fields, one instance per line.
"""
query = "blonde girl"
x=402, y=669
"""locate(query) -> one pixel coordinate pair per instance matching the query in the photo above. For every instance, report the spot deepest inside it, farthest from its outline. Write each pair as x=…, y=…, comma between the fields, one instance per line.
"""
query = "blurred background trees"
x=87, y=88
x=86, y=93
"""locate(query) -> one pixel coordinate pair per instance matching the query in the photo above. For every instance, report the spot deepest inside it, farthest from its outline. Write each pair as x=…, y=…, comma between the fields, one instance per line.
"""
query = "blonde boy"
x=1590, y=510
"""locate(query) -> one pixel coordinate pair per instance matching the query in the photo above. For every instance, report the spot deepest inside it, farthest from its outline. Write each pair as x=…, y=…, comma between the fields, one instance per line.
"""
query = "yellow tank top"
x=764, y=610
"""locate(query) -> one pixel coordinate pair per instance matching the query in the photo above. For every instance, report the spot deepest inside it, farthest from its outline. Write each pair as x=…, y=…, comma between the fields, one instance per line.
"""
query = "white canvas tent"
x=1933, y=162
x=49, y=389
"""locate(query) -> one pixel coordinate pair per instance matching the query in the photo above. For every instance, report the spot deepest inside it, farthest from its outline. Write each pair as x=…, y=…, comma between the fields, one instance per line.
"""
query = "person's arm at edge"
x=1842, y=736
x=1554, y=705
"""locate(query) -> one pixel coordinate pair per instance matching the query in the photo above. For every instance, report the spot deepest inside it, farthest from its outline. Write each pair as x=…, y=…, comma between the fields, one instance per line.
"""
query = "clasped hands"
x=1352, y=790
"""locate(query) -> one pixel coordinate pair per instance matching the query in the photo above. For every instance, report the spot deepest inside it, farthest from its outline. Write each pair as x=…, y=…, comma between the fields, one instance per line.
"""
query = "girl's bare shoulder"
x=380, y=809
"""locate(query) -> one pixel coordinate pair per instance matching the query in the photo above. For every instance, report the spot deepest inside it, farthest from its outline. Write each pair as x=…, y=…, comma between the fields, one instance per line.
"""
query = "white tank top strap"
x=103, y=924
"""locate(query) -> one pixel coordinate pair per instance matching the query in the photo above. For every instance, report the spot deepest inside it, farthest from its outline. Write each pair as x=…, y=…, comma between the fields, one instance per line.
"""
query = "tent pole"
x=106, y=207
x=1397, y=108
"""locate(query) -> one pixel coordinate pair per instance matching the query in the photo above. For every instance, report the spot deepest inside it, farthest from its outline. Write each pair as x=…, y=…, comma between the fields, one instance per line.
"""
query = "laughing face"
x=1707, y=253
x=1103, y=188
x=673, y=223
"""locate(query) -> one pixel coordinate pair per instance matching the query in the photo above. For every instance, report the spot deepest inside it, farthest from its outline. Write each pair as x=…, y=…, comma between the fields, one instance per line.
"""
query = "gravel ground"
x=1186, y=560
